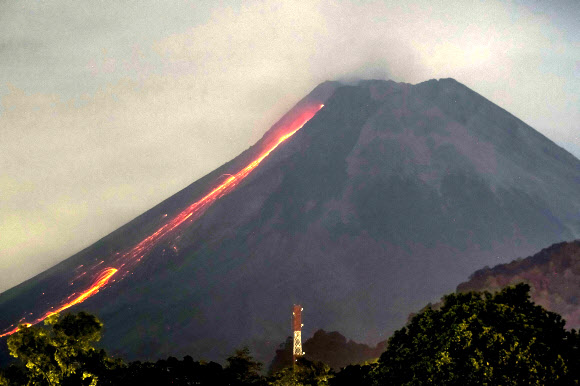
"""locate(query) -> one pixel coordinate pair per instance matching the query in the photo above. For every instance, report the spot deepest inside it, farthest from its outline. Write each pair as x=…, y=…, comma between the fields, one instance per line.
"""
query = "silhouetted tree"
x=303, y=373
x=170, y=371
x=13, y=375
x=360, y=375
x=242, y=369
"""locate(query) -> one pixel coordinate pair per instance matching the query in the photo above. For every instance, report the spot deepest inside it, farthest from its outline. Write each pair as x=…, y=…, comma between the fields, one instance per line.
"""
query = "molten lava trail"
x=99, y=282
x=124, y=262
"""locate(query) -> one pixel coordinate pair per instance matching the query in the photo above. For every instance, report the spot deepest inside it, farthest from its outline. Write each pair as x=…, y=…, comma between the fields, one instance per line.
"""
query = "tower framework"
x=297, y=328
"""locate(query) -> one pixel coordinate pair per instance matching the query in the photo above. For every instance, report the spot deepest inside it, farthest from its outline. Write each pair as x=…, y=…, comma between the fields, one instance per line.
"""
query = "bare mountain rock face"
x=553, y=275
x=386, y=199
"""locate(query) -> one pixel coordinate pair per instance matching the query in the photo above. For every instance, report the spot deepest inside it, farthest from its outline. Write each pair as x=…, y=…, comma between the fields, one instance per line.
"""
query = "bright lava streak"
x=192, y=213
x=101, y=280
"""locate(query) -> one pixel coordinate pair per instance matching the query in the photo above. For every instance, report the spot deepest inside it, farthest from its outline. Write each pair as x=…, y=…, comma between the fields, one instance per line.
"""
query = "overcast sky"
x=109, y=107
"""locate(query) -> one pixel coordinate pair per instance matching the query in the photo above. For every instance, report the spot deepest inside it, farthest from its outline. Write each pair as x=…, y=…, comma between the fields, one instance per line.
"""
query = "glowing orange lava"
x=134, y=255
x=101, y=280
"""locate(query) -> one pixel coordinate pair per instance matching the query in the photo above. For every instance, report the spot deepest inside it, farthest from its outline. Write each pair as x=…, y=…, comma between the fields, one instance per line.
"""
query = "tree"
x=242, y=369
x=312, y=373
x=13, y=375
x=361, y=375
x=170, y=372
x=284, y=377
x=62, y=353
x=303, y=373
x=482, y=339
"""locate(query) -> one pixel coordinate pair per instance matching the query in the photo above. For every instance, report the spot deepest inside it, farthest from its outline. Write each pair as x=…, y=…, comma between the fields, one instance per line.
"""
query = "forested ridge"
x=553, y=275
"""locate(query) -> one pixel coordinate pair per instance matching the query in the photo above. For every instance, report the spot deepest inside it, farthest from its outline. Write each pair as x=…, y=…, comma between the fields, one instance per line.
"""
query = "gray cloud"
x=108, y=108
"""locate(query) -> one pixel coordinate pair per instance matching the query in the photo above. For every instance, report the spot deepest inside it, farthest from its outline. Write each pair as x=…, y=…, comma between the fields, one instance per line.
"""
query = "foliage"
x=168, y=372
x=13, y=375
x=313, y=373
x=242, y=369
x=304, y=372
x=284, y=377
x=482, y=339
x=62, y=353
x=360, y=375
x=474, y=338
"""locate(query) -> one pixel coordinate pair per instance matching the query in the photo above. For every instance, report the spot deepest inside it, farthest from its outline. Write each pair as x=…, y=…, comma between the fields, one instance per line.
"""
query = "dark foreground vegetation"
x=474, y=338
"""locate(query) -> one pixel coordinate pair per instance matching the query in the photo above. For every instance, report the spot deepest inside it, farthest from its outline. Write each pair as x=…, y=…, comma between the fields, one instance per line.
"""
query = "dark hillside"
x=553, y=275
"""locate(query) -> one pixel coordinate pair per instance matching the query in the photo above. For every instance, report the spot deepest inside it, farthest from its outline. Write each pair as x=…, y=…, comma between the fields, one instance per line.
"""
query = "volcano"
x=362, y=211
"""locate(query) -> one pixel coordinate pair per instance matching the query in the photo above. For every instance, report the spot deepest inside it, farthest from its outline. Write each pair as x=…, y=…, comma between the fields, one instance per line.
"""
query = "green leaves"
x=62, y=352
x=477, y=339
x=303, y=373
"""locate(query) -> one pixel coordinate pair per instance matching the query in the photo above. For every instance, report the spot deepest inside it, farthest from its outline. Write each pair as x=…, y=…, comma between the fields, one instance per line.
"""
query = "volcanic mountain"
x=385, y=199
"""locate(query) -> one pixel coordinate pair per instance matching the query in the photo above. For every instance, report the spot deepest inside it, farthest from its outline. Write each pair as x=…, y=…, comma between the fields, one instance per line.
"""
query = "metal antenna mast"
x=297, y=328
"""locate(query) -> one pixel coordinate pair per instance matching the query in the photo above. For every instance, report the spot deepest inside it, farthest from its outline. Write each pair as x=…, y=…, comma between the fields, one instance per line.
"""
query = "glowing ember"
x=193, y=212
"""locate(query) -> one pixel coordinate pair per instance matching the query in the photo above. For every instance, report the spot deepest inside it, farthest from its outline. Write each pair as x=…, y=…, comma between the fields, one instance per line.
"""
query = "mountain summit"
x=386, y=198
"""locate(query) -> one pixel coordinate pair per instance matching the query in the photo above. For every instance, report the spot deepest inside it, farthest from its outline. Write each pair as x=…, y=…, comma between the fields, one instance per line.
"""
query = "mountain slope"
x=553, y=275
x=386, y=199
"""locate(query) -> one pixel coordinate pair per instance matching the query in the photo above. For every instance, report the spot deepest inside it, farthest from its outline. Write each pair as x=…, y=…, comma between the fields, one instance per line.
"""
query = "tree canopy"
x=63, y=353
x=242, y=369
x=303, y=373
x=477, y=338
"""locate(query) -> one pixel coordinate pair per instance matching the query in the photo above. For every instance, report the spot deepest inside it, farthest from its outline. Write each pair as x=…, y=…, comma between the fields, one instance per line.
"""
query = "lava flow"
x=125, y=261
x=100, y=281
